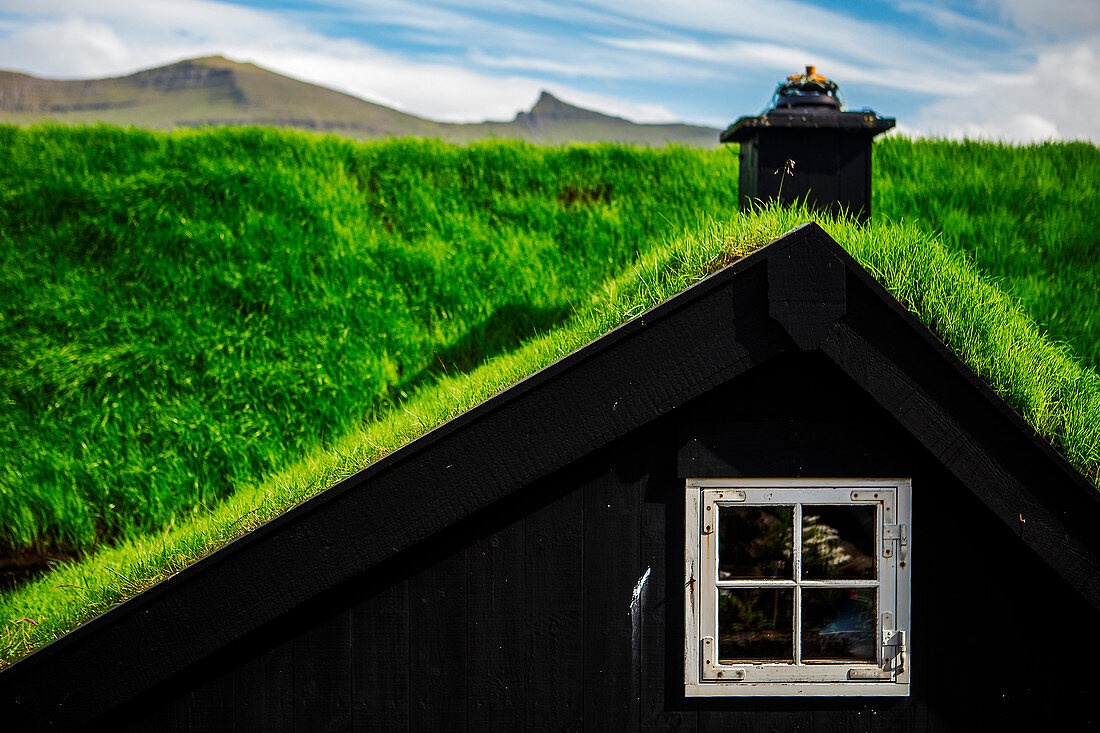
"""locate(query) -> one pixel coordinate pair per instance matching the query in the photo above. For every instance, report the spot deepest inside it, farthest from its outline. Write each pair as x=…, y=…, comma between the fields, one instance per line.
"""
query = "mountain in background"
x=214, y=91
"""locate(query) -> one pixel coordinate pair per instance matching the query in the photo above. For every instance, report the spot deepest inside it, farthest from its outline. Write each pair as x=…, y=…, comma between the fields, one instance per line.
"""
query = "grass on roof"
x=1029, y=215
x=987, y=328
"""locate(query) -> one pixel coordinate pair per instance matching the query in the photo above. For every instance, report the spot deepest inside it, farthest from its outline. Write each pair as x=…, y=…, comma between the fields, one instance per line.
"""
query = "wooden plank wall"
x=528, y=625
x=521, y=618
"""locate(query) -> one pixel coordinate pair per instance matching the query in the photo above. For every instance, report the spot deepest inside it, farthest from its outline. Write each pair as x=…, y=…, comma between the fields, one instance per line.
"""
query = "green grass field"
x=182, y=313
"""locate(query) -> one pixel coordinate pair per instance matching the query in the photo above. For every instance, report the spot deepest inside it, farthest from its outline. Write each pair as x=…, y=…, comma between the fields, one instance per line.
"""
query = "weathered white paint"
x=637, y=608
x=691, y=588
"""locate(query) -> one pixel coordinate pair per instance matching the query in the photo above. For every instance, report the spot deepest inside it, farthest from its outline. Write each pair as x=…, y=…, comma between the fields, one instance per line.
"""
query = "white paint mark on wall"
x=639, y=589
x=637, y=599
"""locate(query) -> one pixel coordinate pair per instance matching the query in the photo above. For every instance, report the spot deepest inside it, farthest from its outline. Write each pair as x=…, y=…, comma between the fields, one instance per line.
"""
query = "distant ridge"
x=215, y=91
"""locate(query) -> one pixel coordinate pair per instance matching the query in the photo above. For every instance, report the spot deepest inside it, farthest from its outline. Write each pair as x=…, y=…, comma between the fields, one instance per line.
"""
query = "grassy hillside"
x=1030, y=216
x=182, y=313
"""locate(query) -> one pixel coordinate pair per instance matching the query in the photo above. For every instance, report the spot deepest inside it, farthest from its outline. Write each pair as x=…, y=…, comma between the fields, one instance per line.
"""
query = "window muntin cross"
x=796, y=583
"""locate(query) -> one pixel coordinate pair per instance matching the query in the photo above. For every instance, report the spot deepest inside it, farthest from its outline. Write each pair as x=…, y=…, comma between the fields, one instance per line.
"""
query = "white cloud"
x=123, y=36
x=59, y=47
x=796, y=24
x=516, y=62
x=891, y=73
x=949, y=20
x=1055, y=99
x=439, y=91
x=1061, y=19
x=1030, y=92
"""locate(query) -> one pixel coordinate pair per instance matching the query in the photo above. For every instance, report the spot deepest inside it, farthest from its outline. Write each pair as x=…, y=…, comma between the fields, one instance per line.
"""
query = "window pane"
x=755, y=624
x=838, y=625
x=755, y=542
x=838, y=542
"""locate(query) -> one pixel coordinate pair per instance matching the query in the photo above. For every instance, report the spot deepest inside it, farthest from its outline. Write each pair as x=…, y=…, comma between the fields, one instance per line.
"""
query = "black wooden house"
x=537, y=563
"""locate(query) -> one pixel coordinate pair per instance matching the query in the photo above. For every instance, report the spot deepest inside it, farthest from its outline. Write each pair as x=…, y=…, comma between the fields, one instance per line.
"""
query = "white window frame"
x=889, y=676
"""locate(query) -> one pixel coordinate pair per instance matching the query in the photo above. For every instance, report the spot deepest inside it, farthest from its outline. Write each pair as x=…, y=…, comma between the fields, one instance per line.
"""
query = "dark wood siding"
x=520, y=617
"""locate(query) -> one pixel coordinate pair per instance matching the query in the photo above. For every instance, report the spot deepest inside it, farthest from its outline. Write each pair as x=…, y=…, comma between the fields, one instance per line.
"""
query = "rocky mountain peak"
x=549, y=108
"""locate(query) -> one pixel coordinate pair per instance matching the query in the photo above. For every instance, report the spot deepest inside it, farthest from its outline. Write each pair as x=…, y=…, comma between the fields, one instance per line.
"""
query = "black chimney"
x=807, y=148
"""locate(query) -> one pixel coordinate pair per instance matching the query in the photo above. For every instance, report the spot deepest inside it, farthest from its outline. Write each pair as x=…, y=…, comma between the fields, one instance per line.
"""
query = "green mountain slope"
x=214, y=91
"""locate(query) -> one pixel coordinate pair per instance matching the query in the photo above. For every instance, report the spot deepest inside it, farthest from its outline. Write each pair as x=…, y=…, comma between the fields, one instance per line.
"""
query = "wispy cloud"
x=991, y=67
x=953, y=21
x=1055, y=99
x=895, y=73
x=1049, y=19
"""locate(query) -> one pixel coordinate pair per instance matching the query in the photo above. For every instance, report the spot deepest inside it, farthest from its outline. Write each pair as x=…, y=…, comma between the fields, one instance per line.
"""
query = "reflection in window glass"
x=838, y=625
x=755, y=542
x=838, y=542
x=755, y=624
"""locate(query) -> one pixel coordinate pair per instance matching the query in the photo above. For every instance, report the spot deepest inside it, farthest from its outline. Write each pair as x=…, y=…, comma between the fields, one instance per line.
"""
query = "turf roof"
x=989, y=331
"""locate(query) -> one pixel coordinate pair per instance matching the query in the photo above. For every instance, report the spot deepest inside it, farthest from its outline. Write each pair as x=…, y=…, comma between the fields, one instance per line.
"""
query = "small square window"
x=797, y=587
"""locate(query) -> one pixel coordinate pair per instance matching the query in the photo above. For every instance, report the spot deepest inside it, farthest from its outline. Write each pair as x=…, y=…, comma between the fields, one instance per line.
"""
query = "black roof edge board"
x=801, y=292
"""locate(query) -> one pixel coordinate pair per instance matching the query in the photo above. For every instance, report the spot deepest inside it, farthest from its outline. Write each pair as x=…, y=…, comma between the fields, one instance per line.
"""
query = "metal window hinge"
x=895, y=533
x=869, y=673
x=893, y=637
x=895, y=650
x=894, y=658
x=708, y=650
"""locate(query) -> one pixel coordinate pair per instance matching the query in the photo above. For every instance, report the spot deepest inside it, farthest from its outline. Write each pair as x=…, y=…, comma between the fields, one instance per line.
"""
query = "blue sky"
x=1020, y=70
